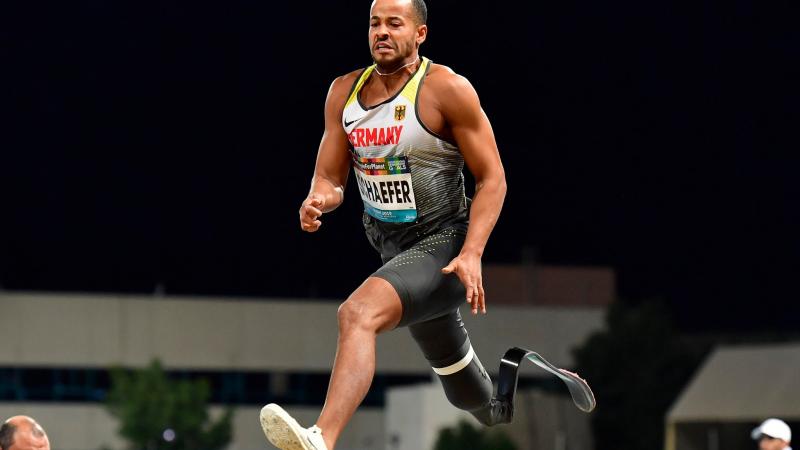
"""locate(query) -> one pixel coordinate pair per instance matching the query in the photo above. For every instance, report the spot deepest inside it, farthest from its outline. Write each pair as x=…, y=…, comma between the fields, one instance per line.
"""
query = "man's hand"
x=310, y=212
x=468, y=269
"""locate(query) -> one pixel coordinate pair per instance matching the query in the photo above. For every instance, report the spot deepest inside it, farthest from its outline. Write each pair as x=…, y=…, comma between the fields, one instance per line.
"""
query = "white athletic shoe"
x=285, y=433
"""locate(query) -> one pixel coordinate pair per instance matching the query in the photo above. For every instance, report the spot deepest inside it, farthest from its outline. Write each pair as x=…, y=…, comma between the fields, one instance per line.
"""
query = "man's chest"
x=426, y=107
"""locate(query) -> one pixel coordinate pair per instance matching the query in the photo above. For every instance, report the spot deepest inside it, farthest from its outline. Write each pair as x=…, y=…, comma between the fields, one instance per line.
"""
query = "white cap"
x=775, y=428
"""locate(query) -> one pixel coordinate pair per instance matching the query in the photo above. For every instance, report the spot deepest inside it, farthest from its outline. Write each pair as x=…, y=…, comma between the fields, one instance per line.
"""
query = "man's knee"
x=360, y=315
x=352, y=315
x=374, y=306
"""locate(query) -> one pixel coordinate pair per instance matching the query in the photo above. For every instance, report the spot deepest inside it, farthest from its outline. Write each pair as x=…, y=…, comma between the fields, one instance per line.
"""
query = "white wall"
x=89, y=427
x=416, y=414
x=101, y=330
x=97, y=331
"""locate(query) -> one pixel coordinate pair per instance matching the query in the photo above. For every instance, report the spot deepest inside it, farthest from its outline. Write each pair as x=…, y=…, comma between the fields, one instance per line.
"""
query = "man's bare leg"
x=373, y=307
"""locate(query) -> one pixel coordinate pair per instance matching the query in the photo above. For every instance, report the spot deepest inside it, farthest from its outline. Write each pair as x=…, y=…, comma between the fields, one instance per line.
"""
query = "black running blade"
x=581, y=393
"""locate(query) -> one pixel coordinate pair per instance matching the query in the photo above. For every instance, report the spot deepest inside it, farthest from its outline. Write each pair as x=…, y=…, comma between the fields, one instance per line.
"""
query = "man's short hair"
x=420, y=10
x=7, y=431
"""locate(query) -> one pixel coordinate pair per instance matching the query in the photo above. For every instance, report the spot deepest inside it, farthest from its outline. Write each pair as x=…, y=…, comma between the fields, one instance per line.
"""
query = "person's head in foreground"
x=772, y=434
x=23, y=433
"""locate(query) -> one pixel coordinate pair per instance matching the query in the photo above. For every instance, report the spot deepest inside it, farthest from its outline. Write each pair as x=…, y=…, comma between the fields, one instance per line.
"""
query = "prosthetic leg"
x=580, y=391
x=446, y=346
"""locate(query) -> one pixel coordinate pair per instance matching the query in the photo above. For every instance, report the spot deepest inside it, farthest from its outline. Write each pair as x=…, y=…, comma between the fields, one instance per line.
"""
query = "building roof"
x=747, y=383
x=558, y=286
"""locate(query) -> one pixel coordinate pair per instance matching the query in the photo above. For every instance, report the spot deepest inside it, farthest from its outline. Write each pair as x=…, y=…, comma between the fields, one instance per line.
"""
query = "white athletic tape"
x=453, y=368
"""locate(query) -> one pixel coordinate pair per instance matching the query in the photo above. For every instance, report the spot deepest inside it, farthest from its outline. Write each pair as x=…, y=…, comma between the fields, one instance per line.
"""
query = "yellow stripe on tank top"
x=410, y=91
x=360, y=83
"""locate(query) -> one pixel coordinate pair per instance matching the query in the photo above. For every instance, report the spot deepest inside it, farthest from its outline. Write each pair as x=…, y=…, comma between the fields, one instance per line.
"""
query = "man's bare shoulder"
x=446, y=84
x=444, y=80
x=338, y=93
x=341, y=85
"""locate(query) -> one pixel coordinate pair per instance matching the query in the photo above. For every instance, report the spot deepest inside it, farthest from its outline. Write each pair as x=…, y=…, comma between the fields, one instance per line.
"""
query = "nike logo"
x=347, y=124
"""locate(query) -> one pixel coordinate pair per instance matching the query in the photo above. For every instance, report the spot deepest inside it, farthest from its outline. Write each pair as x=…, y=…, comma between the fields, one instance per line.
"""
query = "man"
x=407, y=126
x=772, y=434
x=23, y=433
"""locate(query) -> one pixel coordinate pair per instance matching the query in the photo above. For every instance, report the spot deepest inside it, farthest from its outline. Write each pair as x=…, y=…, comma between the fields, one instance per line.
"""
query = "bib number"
x=386, y=189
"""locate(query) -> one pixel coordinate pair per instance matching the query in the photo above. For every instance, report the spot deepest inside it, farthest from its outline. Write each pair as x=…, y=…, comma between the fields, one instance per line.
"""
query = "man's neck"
x=397, y=70
x=391, y=79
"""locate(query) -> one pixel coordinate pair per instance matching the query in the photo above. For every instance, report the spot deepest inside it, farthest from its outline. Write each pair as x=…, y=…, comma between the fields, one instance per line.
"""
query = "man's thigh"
x=416, y=275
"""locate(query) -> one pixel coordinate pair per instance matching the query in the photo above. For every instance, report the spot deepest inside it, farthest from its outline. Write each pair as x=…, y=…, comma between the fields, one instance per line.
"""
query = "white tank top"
x=405, y=172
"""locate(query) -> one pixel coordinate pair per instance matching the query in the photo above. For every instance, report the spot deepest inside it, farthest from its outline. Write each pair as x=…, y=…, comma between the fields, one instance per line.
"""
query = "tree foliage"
x=148, y=403
x=466, y=437
x=637, y=368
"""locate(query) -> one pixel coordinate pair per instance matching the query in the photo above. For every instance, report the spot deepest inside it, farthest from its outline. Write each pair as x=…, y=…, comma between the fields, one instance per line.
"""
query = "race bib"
x=385, y=186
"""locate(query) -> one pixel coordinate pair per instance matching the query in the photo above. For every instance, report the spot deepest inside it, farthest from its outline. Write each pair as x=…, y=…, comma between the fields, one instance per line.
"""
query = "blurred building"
x=55, y=351
x=734, y=390
x=563, y=287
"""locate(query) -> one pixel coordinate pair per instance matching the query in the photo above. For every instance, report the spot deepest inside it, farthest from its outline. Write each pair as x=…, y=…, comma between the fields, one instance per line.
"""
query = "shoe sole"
x=281, y=429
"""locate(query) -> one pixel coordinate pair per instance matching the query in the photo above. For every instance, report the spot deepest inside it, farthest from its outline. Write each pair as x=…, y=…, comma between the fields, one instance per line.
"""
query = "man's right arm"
x=333, y=160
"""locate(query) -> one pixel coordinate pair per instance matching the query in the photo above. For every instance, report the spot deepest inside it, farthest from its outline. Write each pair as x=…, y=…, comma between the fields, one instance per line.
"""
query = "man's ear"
x=422, y=34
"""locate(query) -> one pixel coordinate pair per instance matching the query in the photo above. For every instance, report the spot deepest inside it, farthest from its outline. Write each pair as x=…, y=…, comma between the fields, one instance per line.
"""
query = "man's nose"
x=381, y=32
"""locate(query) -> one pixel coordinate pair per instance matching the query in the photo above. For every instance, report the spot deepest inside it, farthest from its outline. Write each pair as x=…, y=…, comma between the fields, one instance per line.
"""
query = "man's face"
x=393, y=31
x=29, y=435
x=771, y=443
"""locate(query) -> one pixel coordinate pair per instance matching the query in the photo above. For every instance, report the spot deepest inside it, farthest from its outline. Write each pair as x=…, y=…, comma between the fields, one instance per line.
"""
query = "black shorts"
x=416, y=275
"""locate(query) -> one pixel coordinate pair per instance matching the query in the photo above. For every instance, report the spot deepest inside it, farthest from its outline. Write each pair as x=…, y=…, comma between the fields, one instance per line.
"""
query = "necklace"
x=398, y=70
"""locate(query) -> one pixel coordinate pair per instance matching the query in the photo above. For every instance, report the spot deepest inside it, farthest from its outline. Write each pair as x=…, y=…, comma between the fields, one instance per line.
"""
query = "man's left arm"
x=474, y=136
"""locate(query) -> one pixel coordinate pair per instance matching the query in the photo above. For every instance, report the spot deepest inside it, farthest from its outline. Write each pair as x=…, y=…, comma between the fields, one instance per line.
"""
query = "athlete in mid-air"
x=406, y=126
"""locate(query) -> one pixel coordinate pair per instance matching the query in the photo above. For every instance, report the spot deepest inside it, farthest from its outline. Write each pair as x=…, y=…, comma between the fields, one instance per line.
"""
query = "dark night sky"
x=171, y=142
